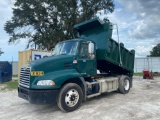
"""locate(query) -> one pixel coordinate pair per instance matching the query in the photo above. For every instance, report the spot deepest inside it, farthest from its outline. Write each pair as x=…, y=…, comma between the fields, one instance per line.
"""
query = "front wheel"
x=124, y=84
x=70, y=97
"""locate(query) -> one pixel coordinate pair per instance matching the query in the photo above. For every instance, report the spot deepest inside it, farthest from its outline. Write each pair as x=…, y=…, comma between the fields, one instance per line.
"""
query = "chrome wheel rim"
x=126, y=84
x=71, y=98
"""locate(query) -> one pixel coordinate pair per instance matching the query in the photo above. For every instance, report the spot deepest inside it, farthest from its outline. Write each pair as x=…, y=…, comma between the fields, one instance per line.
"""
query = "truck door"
x=86, y=62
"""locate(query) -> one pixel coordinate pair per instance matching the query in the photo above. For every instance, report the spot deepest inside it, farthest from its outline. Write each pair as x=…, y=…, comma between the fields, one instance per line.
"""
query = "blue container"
x=5, y=71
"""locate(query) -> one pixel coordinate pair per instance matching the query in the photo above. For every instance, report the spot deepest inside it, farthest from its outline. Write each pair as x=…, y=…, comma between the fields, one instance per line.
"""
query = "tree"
x=1, y=52
x=45, y=22
x=155, y=52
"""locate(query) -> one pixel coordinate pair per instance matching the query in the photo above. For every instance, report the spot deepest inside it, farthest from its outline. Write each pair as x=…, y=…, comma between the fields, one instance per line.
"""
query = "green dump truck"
x=70, y=75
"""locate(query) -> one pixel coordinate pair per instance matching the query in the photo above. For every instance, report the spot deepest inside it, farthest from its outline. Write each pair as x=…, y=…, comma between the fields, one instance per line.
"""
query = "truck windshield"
x=66, y=48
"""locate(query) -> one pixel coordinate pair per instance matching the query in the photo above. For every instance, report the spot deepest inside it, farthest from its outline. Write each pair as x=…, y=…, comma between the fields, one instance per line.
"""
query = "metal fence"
x=150, y=63
x=14, y=68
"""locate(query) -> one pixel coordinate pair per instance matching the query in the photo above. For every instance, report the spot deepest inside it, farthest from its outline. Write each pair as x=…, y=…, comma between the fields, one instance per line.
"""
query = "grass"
x=141, y=74
x=138, y=74
x=9, y=85
x=14, y=75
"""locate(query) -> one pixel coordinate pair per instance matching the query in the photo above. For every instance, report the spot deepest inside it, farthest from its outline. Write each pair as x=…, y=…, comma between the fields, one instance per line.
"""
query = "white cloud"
x=138, y=23
x=147, y=17
x=10, y=51
x=142, y=50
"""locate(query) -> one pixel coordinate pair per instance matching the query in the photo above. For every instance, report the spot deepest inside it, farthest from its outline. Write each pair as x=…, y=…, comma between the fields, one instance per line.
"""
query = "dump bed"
x=112, y=57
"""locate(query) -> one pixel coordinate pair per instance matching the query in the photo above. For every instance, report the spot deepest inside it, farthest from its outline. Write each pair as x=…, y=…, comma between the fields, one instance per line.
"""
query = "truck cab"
x=83, y=53
x=69, y=76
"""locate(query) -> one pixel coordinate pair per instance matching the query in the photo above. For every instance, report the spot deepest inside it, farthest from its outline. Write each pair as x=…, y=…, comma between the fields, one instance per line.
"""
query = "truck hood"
x=53, y=63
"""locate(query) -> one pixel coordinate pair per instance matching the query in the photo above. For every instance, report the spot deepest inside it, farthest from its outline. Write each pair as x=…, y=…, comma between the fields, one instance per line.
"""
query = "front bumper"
x=38, y=96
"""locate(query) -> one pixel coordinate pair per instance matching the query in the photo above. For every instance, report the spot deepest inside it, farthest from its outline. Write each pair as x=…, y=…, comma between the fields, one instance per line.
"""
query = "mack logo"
x=37, y=73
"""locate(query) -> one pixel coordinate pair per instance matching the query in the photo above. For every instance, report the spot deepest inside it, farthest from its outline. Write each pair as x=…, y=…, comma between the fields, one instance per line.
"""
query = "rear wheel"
x=124, y=84
x=144, y=77
x=70, y=97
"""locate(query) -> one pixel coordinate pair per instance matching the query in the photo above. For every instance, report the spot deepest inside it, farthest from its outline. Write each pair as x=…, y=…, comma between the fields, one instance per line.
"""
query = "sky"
x=138, y=25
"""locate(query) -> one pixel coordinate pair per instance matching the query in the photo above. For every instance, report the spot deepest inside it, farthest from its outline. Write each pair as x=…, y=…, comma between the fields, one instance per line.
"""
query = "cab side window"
x=84, y=50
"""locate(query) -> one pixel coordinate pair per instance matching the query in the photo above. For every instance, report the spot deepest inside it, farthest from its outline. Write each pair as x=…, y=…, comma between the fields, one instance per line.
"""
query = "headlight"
x=45, y=82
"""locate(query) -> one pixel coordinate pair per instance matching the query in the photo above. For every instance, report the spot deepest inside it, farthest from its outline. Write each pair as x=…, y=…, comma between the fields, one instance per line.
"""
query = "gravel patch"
x=141, y=103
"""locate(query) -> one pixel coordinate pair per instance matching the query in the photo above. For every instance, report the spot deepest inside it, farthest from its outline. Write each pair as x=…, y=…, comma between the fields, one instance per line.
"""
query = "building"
x=150, y=63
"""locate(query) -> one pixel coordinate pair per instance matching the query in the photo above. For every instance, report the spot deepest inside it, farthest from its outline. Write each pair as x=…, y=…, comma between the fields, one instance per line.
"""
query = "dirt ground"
x=141, y=103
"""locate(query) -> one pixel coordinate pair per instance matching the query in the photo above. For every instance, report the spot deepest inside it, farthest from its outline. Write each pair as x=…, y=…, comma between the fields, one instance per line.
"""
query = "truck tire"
x=70, y=97
x=124, y=84
x=144, y=77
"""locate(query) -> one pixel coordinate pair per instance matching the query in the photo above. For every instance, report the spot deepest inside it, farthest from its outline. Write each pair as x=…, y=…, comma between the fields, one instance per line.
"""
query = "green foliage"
x=155, y=52
x=45, y=22
x=14, y=75
x=138, y=74
x=9, y=85
x=1, y=52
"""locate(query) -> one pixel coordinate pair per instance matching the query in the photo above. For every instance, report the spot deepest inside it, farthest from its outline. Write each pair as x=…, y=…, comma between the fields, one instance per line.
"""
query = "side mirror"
x=91, y=48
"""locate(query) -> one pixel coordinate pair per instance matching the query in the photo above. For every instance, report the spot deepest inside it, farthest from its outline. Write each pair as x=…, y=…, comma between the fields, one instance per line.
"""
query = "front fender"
x=59, y=77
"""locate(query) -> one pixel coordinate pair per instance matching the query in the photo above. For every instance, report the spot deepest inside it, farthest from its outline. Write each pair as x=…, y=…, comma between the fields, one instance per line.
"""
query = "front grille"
x=25, y=76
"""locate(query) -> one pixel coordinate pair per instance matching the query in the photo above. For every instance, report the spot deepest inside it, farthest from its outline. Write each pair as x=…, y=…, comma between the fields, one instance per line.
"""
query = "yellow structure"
x=27, y=56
